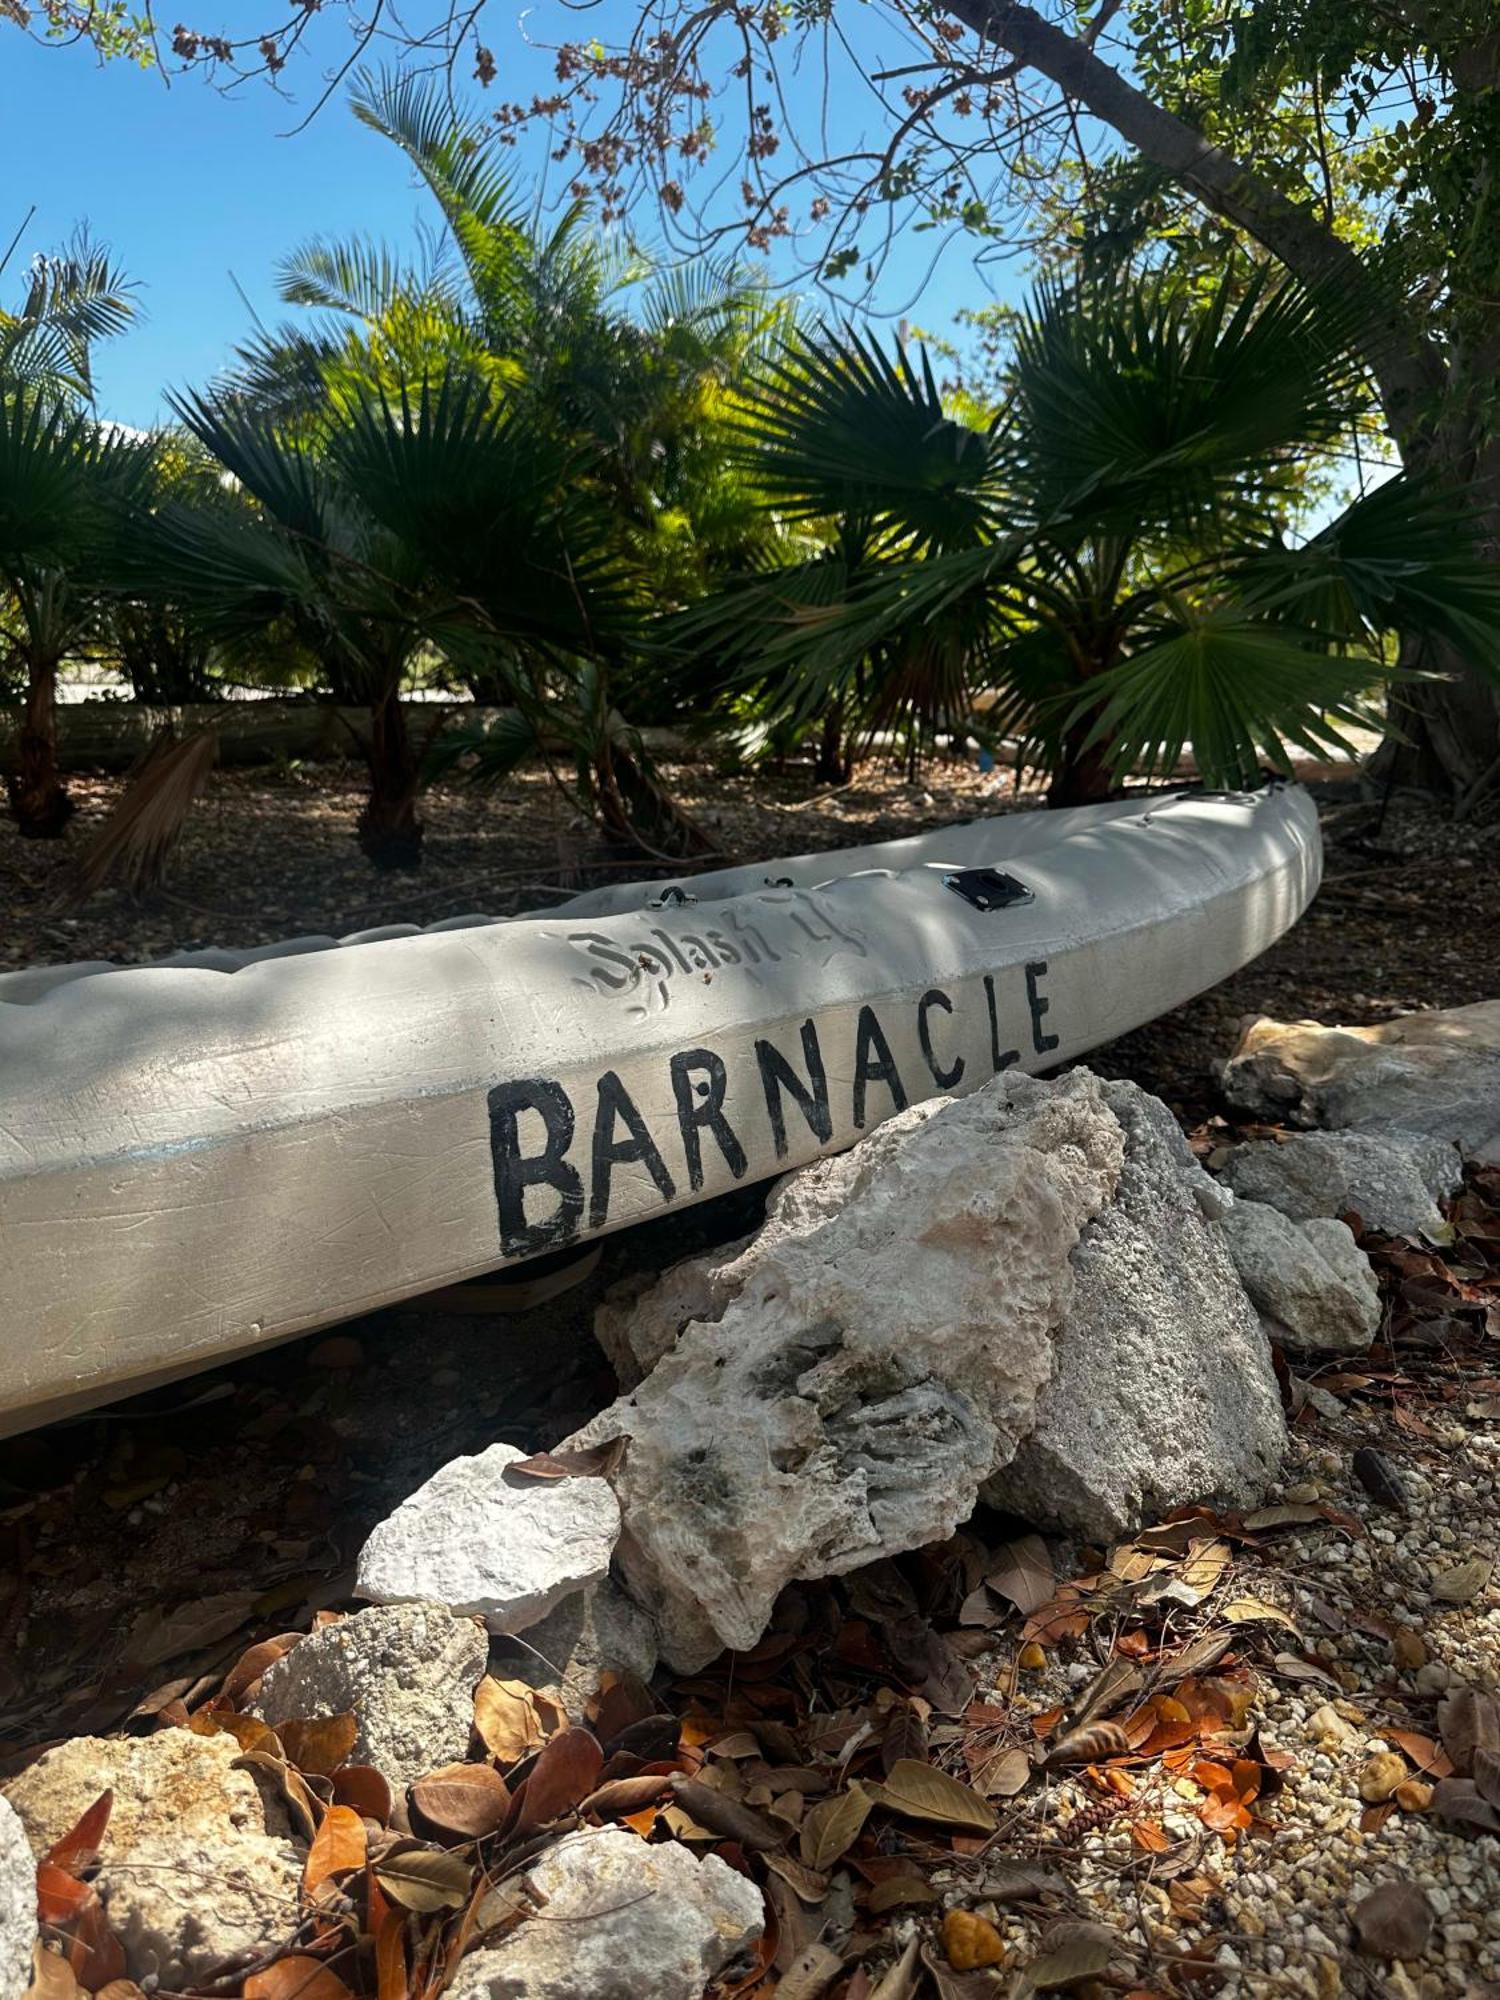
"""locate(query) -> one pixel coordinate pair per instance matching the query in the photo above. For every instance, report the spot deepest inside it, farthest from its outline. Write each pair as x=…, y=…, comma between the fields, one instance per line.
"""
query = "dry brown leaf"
x=726, y=1816
x=52, y=1978
x=1468, y=1719
x=319, y=1745
x=1089, y=1745
x=808, y=1884
x=565, y=1772
x=157, y=1635
x=1394, y=1921
x=1201, y=1567
x=596, y=1463
x=1252, y=1611
x=899, y=1891
x=619, y=1797
x=1487, y=1774
x=832, y=1826
x=390, y=1957
x=1462, y=1584
x=468, y=1800
x=1023, y=1572
x=1071, y=1953
x=295, y=1978
x=1458, y=1802
x=1294, y=1514
x=507, y=1719
x=424, y=1878
x=304, y=1808
x=78, y=1848
x=364, y=1788
x=905, y=1735
x=810, y=1974
x=919, y=1791
x=338, y=1845
x=253, y=1662
x=1006, y=1773
x=899, y=1982
x=247, y=1730
x=1423, y=1752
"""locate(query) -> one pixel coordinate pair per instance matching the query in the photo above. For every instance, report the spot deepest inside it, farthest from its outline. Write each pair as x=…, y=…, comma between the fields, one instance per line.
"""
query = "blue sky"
x=196, y=191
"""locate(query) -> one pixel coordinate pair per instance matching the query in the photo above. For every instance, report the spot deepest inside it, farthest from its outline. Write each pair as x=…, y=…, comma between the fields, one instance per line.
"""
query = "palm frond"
x=839, y=426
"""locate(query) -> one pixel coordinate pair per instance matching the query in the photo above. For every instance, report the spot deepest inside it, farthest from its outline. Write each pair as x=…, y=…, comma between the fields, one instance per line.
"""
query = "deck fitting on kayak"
x=988, y=889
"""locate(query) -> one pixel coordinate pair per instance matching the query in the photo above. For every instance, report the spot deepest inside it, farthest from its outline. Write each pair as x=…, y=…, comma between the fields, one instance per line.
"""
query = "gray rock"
x=1163, y=1392
x=406, y=1671
x=1311, y=1280
x=507, y=1550
x=639, y=1319
x=197, y=1863
x=1392, y=1181
x=877, y=1351
x=18, y=1932
x=620, y=1920
x=1436, y=1074
x=564, y=1657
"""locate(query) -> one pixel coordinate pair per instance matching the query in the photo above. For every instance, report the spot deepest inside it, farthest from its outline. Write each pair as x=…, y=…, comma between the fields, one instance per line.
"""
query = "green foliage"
x=74, y=297
x=1110, y=559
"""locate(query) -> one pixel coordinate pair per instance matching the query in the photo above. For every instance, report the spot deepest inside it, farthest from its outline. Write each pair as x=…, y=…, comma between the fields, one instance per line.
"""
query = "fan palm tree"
x=1109, y=557
x=66, y=485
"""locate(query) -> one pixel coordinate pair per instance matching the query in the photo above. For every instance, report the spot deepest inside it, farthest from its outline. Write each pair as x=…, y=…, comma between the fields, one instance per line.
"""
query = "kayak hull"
x=197, y=1161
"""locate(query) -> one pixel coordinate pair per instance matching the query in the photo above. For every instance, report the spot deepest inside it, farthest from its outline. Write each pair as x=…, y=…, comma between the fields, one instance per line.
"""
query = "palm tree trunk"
x=832, y=765
x=1083, y=776
x=38, y=797
x=389, y=831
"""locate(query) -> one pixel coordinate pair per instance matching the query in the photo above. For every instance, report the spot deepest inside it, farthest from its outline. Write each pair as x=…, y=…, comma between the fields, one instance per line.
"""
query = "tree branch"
x=1407, y=364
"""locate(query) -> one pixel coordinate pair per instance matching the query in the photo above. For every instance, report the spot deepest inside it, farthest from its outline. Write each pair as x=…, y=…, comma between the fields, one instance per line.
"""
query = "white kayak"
x=226, y=1148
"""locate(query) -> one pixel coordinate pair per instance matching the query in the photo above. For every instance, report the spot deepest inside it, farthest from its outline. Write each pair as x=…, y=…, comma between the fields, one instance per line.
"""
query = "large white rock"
x=505, y=1549
x=1163, y=1392
x=619, y=1920
x=196, y=1864
x=1391, y=1180
x=877, y=1350
x=1310, y=1280
x=18, y=1932
x=407, y=1673
x=1434, y=1073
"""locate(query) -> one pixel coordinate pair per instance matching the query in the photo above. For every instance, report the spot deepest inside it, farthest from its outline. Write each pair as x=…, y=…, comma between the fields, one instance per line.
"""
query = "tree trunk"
x=38, y=797
x=832, y=763
x=389, y=831
x=1083, y=776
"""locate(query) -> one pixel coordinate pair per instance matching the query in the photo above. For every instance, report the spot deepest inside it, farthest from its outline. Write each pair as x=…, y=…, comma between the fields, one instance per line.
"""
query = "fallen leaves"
x=338, y=1846
x=466, y=1801
x=509, y=1719
x=921, y=1792
x=1394, y=1921
x=831, y=1828
x=424, y=1879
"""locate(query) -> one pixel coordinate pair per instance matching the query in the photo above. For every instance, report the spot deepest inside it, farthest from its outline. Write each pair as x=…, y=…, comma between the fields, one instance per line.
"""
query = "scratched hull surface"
x=213, y=1152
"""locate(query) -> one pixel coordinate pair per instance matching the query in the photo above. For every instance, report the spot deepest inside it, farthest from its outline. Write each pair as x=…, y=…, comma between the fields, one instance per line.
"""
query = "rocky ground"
x=1203, y=1759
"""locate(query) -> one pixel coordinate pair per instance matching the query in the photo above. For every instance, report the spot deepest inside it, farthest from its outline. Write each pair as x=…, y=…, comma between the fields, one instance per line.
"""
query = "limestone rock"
x=621, y=1920
x=406, y=1671
x=870, y=1357
x=1311, y=1279
x=1436, y=1074
x=1391, y=1180
x=574, y=1645
x=196, y=1864
x=1163, y=1393
x=640, y=1318
x=18, y=1931
x=507, y=1550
